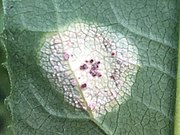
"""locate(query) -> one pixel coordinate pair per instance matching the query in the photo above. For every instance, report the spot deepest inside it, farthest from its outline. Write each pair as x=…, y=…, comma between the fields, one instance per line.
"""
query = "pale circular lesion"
x=92, y=65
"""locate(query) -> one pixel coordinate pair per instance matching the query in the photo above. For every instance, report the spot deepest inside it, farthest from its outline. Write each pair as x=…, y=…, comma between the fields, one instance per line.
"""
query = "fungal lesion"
x=83, y=85
x=83, y=67
x=94, y=69
x=90, y=67
x=115, y=77
x=89, y=61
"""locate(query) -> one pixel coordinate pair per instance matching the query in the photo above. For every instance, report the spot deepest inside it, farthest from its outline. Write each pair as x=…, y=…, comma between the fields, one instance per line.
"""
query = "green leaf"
x=1, y=17
x=177, y=106
x=5, y=117
x=98, y=67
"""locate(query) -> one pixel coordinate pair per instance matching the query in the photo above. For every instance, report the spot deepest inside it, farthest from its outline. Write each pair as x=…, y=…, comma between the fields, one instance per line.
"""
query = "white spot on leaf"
x=92, y=65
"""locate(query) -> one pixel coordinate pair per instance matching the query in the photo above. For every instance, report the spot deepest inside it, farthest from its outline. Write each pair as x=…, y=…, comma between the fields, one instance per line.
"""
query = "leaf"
x=92, y=67
x=5, y=118
x=177, y=109
x=1, y=17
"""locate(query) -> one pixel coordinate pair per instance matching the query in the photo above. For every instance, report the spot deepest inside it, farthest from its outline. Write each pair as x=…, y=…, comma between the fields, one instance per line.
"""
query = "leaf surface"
x=130, y=92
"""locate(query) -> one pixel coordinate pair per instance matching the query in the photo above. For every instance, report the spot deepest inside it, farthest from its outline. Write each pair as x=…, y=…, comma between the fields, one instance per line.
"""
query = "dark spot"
x=94, y=66
x=93, y=73
x=94, y=70
x=84, y=85
x=112, y=77
x=99, y=74
x=113, y=53
x=83, y=67
x=11, y=6
x=91, y=61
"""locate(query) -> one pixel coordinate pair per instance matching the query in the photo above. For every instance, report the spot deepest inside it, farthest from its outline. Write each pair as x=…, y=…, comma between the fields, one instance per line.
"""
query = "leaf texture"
x=58, y=90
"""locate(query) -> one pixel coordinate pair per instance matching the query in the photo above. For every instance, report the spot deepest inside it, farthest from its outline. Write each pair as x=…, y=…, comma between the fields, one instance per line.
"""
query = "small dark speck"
x=112, y=53
x=99, y=75
x=91, y=61
x=83, y=67
x=10, y=7
x=112, y=77
x=93, y=73
x=84, y=85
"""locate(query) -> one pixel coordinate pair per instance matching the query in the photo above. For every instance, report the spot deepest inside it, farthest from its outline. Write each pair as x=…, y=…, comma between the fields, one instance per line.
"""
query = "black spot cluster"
x=93, y=66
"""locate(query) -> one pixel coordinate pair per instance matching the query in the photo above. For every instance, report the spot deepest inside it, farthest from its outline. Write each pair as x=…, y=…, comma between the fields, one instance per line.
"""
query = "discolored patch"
x=94, y=66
